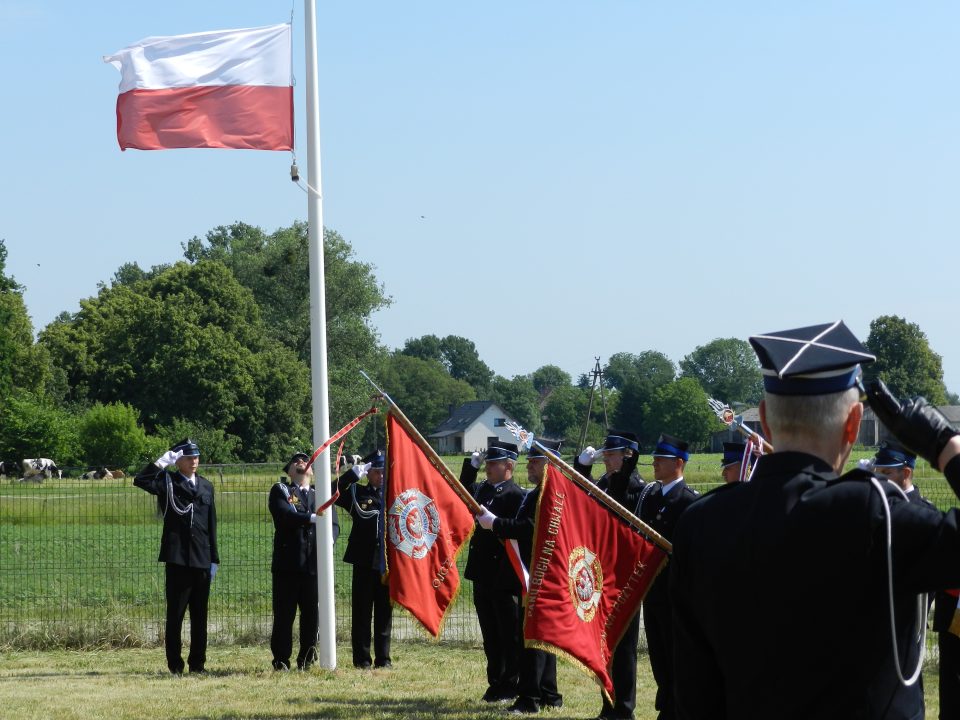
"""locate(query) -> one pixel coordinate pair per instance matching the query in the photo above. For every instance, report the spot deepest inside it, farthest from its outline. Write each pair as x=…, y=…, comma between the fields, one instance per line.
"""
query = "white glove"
x=313, y=518
x=213, y=570
x=485, y=519
x=361, y=470
x=586, y=457
x=476, y=459
x=169, y=458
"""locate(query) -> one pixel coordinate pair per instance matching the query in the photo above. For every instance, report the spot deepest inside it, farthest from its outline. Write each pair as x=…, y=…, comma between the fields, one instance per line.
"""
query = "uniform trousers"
x=624, y=674
x=186, y=587
x=292, y=590
x=538, y=677
x=949, y=675
x=498, y=613
x=370, y=599
x=658, y=625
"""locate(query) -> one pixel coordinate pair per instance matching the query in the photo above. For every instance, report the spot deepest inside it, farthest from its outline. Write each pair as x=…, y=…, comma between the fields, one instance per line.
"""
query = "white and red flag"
x=218, y=89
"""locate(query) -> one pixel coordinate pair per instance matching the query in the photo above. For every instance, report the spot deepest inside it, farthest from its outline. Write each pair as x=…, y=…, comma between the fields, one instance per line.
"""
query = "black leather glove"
x=630, y=463
x=915, y=423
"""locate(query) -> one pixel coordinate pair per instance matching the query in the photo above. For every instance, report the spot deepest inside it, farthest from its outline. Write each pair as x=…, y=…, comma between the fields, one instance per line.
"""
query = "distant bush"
x=30, y=427
x=111, y=436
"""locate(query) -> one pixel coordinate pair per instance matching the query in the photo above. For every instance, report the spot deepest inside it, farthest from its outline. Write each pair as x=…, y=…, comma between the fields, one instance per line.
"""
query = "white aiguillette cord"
x=921, y=599
x=172, y=501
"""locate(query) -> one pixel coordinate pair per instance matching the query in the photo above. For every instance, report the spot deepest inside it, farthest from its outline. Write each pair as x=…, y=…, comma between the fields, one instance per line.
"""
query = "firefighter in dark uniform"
x=188, y=546
x=781, y=587
x=732, y=461
x=538, y=669
x=661, y=504
x=370, y=598
x=292, y=505
x=620, y=454
x=496, y=594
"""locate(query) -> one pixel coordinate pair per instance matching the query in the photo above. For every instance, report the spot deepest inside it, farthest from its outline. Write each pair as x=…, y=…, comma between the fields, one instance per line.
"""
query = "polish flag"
x=219, y=89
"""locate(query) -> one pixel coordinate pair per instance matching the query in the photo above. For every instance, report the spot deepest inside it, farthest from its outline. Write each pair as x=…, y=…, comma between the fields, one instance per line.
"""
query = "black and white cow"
x=38, y=469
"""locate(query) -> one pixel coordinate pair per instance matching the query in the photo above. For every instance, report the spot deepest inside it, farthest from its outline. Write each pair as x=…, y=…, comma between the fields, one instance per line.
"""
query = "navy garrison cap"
x=377, y=459
x=815, y=360
x=497, y=450
x=621, y=440
x=732, y=453
x=294, y=458
x=891, y=454
x=669, y=446
x=552, y=445
x=187, y=447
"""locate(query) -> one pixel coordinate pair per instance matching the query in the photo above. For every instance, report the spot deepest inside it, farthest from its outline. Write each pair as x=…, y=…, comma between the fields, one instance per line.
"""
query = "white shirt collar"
x=669, y=486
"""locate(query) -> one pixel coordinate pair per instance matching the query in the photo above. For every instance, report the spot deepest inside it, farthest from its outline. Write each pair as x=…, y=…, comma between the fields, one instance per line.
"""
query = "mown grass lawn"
x=427, y=681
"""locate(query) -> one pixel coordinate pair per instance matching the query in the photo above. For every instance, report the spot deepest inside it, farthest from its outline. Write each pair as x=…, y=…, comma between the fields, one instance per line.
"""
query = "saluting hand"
x=916, y=423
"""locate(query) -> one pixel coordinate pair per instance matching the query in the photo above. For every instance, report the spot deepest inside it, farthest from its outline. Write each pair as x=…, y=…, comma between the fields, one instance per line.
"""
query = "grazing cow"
x=38, y=469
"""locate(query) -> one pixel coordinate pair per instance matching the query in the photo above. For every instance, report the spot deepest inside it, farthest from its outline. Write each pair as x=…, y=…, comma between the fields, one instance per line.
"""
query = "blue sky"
x=593, y=177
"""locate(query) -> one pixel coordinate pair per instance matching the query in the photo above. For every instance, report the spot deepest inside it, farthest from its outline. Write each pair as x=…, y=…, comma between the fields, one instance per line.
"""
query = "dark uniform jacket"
x=487, y=557
x=623, y=488
x=190, y=538
x=520, y=528
x=365, y=503
x=661, y=512
x=779, y=591
x=294, y=536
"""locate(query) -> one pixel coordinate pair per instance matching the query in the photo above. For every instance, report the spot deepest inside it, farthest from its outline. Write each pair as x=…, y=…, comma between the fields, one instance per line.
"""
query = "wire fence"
x=78, y=561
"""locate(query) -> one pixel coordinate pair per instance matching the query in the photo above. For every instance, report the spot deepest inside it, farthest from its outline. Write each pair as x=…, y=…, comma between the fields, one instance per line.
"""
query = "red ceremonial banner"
x=589, y=572
x=426, y=525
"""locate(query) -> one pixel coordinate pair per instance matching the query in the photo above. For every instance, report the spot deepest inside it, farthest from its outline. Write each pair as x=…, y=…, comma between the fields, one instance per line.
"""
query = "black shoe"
x=492, y=694
x=524, y=706
x=556, y=702
x=362, y=666
x=198, y=671
x=280, y=665
x=384, y=664
x=176, y=671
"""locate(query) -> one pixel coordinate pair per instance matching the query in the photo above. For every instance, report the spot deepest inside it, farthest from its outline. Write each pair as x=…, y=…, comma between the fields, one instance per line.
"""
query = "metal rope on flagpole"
x=326, y=635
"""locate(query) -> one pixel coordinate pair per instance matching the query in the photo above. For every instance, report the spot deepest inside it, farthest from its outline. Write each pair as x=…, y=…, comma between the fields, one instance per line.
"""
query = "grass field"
x=78, y=570
x=427, y=681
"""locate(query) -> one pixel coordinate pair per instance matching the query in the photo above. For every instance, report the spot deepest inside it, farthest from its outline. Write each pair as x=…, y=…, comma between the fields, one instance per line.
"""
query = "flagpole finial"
x=524, y=437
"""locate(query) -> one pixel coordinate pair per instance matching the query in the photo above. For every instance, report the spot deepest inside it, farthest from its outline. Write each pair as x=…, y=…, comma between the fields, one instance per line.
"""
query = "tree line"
x=216, y=346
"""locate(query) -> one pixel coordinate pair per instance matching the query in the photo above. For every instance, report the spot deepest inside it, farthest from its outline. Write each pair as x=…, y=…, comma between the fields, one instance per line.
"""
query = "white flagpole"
x=326, y=642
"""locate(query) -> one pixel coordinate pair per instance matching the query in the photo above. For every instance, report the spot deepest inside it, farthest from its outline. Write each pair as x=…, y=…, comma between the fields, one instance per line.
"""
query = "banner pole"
x=428, y=450
x=644, y=529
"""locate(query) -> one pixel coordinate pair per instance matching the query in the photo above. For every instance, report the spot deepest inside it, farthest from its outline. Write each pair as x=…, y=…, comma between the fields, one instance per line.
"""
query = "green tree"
x=548, y=378
x=727, y=369
x=423, y=389
x=111, y=436
x=637, y=377
x=905, y=361
x=275, y=269
x=31, y=427
x=680, y=409
x=519, y=399
x=188, y=343
x=23, y=364
x=457, y=355
x=563, y=413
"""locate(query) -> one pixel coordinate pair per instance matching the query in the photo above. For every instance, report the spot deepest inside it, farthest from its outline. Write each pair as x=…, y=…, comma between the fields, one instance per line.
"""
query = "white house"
x=470, y=427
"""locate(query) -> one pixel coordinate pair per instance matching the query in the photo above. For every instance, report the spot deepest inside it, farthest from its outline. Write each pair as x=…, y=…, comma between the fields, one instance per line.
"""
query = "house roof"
x=463, y=417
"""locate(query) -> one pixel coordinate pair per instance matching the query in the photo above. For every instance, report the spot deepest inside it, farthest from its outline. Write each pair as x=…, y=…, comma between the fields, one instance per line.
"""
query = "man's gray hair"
x=808, y=416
